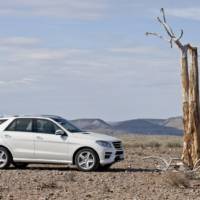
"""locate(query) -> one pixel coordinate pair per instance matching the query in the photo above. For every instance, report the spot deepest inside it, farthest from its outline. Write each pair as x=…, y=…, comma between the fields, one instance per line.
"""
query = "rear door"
x=20, y=138
x=48, y=145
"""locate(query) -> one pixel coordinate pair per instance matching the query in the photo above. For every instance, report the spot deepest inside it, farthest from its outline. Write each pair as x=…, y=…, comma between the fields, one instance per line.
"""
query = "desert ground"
x=131, y=179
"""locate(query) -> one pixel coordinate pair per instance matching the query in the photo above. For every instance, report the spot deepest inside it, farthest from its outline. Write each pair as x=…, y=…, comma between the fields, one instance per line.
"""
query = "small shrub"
x=178, y=180
x=173, y=145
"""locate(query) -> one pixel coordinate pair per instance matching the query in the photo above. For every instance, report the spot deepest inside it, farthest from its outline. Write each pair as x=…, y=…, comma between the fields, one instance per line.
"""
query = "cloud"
x=192, y=13
x=77, y=78
x=18, y=41
x=76, y=9
x=37, y=54
x=16, y=83
x=134, y=50
x=27, y=63
x=32, y=49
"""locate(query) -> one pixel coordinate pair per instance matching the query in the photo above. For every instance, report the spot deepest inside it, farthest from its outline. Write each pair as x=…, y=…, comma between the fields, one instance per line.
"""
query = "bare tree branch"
x=163, y=12
x=172, y=37
x=181, y=35
x=164, y=164
x=166, y=27
x=157, y=35
x=197, y=164
x=165, y=21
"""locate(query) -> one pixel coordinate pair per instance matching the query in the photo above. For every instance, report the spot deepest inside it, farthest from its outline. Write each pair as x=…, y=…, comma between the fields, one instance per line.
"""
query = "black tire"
x=20, y=165
x=105, y=167
x=93, y=154
x=6, y=156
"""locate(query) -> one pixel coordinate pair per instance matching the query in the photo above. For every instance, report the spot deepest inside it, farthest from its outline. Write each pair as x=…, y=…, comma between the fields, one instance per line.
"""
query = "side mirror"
x=60, y=132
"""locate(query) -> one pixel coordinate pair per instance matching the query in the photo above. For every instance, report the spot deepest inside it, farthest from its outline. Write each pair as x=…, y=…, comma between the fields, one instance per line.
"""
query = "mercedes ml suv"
x=53, y=139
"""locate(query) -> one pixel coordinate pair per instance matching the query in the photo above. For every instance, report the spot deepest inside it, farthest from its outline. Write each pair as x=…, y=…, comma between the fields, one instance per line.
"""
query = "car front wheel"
x=87, y=160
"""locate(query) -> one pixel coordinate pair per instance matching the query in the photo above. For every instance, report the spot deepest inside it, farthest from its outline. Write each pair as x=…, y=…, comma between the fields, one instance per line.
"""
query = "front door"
x=49, y=146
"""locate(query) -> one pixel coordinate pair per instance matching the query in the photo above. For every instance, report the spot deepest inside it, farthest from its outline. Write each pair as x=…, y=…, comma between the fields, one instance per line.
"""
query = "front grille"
x=119, y=153
x=117, y=145
x=107, y=155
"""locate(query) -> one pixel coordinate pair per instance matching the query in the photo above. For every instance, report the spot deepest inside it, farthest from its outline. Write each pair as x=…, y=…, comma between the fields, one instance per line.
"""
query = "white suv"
x=52, y=139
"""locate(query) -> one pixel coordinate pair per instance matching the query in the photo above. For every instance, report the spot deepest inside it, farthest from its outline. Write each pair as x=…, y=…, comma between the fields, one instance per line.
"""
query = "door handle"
x=39, y=138
x=7, y=136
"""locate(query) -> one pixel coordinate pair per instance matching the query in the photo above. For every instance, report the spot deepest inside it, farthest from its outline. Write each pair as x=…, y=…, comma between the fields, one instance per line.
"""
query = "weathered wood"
x=187, y=148
x=191, y=118
x=194, y=118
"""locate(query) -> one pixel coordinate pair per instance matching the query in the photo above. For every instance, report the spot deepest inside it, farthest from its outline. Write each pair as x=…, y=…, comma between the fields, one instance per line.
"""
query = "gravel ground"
x=131, y=179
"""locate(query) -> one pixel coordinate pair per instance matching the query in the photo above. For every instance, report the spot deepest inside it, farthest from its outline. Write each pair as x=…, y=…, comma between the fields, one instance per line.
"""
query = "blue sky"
x=85, y=59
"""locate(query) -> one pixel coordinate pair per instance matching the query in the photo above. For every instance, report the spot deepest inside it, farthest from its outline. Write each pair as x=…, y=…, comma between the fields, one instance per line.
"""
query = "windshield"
x=67, y=125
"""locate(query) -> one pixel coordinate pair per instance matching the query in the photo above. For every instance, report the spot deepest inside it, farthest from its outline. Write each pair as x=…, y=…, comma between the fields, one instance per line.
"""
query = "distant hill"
x=175, y=122
x=171, y=126
x=146, y=126
x=97, y=125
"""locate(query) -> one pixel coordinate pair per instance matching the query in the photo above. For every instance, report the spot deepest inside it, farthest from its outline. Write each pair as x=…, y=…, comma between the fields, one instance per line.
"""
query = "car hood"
x=95, y=136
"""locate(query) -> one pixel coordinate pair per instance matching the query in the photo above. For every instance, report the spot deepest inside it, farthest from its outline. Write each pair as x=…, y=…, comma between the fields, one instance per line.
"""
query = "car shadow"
x=127, y=170
x=48, y=168
x=64, y=168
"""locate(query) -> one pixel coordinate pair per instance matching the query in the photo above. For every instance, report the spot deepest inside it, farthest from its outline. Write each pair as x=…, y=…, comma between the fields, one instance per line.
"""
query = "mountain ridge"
x=170, y=126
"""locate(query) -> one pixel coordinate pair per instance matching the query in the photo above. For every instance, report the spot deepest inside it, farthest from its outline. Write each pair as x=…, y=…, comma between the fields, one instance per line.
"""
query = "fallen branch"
x=174, y=163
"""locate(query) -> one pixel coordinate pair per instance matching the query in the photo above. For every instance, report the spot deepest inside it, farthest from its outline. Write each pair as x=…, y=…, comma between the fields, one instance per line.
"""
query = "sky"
x=91, y=58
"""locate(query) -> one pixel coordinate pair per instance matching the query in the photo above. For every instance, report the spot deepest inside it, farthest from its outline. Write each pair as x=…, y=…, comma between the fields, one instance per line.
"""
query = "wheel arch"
x=7, y=150
x=85, y=147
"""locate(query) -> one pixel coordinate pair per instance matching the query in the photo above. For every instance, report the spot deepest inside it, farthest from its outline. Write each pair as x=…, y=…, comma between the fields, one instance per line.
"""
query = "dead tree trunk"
x=194, y=118
x=190, y=92
x=186, y=155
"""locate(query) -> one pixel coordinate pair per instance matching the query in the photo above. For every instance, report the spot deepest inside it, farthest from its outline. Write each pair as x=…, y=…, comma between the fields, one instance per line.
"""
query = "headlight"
x=104, y=143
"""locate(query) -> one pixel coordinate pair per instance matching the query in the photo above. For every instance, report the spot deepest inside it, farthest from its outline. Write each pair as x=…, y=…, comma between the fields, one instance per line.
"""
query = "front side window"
x=24, y=125
x=67, y=125
x=45, y=126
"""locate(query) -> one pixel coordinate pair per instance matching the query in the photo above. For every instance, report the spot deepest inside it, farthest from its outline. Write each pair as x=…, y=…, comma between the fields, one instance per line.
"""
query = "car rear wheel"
x=5, y=158
x=87, y=160
x=20, y=165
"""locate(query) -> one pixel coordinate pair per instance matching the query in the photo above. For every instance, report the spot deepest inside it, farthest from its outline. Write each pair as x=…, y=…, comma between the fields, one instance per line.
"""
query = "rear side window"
x=24, y=125
x=2, y=121
x=45, y=126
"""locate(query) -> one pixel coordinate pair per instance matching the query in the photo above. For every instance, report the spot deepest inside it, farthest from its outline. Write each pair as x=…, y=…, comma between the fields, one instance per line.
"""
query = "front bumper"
x=111, y=155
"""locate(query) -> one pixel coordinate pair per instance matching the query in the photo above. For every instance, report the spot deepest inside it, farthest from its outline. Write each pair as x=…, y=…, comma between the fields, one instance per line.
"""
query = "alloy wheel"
x=86, y=160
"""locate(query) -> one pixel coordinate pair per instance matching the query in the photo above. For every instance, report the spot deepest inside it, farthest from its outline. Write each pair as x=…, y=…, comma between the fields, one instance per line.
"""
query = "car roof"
x=4, y=118
x=52, y=117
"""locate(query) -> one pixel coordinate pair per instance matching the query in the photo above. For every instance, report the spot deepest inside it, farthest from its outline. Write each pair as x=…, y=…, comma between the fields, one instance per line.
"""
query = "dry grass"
x=173, y=145
x=153, y=144
x=155, y=141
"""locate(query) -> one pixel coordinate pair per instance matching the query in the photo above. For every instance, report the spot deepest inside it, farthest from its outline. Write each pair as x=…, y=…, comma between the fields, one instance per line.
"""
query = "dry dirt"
x=131, y=179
